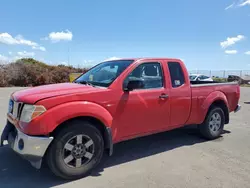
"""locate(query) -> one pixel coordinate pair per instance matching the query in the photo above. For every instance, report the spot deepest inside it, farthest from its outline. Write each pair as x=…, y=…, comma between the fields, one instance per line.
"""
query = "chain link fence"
x=221, y=73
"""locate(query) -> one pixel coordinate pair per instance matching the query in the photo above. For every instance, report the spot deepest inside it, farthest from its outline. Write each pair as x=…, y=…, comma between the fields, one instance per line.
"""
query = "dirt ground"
x=178, y=158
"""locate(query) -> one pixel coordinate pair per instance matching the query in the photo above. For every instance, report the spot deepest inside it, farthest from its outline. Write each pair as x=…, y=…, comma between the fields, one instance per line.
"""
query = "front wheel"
x=75, y=151
x=213, y=124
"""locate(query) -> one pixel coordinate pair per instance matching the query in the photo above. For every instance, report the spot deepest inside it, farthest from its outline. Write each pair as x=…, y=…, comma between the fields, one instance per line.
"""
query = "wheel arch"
x=220, y=103
x=106, y=131
x=216, y=98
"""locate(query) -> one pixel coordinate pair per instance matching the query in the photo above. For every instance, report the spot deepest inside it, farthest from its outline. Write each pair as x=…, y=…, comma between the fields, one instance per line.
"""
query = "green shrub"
x=30, y=72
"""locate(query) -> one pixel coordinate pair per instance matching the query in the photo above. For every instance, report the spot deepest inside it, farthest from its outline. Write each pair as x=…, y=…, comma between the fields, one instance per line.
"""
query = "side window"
x=176, y=74
x=149, y=73
x=201, y=77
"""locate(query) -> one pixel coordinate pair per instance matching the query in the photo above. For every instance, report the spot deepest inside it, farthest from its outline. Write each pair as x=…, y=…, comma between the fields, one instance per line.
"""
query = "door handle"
x=163, y=96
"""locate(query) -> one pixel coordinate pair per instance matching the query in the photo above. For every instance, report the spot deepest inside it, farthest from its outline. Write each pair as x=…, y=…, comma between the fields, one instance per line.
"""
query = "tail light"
x=238, y=92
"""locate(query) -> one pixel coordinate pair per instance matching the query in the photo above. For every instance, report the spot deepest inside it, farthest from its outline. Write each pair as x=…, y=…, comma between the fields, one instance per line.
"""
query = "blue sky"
x=205, y=34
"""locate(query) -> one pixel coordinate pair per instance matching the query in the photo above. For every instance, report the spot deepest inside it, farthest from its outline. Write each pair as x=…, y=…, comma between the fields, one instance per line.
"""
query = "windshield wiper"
x=84, y=82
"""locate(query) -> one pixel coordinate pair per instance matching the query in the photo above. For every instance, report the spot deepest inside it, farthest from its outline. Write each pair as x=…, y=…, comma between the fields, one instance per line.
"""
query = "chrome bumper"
x=31, y=148
x=238, y=107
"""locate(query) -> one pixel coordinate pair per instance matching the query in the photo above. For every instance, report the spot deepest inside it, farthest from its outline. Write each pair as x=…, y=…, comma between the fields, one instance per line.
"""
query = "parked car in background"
x=199, y=77
x=241, y=80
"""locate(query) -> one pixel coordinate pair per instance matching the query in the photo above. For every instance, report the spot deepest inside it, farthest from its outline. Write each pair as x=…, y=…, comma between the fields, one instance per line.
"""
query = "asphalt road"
x=177, y=158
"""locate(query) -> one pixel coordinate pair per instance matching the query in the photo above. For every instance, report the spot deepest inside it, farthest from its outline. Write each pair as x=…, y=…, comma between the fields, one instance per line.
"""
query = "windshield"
x=192, y=77
x=104, y=73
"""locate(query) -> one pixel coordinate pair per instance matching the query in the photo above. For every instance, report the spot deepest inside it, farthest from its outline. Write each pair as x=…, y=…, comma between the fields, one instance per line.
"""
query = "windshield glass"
x=104, y=73
x=192, y=77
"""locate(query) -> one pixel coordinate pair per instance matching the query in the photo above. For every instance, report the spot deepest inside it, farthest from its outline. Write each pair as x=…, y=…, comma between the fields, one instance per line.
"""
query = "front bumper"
x=238, y=107
x=31, y=148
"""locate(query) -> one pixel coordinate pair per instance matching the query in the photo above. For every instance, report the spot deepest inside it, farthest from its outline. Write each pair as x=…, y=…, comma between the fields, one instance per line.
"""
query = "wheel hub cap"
x=78, y=151
x=215, y=122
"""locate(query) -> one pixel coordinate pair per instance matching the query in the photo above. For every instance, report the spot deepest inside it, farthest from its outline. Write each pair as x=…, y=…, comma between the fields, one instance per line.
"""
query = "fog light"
x=21, y=144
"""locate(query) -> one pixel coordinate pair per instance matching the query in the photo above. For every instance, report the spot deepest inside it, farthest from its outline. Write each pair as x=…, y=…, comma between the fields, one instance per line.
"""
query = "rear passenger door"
x=180, y=94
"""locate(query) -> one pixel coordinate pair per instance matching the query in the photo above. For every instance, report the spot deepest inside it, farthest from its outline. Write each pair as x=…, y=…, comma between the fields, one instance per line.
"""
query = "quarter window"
x=176, y=74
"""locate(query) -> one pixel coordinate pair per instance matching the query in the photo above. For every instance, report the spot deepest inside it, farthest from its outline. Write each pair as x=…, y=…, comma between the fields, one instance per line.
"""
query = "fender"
x=47, y=122
x=77, y=109
x=71, y=110
x=211, y=98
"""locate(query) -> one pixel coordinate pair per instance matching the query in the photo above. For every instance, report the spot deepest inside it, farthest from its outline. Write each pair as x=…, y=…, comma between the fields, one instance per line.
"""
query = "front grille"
x=15, y=108
x=11, y=106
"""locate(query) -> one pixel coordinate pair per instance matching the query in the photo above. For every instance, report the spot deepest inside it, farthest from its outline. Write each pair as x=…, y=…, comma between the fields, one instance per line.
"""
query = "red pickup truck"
x=70, y=125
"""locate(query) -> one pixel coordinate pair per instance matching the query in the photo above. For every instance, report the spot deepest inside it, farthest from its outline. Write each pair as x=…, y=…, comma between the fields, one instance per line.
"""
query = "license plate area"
x=11, y=139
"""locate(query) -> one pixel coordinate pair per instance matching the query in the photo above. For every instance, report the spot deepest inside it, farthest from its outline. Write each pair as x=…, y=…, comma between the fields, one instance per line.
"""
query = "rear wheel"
x=75, y=151
x=213, y=124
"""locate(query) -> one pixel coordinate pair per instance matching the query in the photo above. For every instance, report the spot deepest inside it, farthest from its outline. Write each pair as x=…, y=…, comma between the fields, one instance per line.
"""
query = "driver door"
x=147, y=109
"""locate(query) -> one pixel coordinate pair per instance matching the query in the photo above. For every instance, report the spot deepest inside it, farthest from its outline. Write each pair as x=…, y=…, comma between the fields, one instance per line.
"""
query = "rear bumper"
x=238, y=107
x=31, y=148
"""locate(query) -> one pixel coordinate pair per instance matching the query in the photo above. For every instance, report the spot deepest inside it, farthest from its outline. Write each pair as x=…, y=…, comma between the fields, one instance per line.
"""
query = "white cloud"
x=59, y=36
x=231, y=41
x=230, y=6
x=87, y=63
x=231, y=51
x=3, y=59
x=10, y=53
x=6, y=59
x=6, y=38
x=39, y=48
x=63, y=63
x=26, y=54
x=246, y=2
x=112, y=58
x=42, y=48
x=16, y=58
x=21, y=40
x=240, y=3
x=247, y=53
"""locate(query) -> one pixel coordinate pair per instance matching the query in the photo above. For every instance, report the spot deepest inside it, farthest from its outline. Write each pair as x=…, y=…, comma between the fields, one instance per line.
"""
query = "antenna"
x=68, y=55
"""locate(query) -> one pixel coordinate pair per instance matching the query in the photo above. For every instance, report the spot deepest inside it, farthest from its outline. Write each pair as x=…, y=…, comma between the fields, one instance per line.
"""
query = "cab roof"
x=147, y=58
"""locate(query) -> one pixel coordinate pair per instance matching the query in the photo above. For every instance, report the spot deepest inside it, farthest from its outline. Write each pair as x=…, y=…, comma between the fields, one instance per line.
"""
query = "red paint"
x=128, y=114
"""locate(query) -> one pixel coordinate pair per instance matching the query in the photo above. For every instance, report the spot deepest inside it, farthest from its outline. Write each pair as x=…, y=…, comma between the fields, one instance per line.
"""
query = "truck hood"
x=34, y=94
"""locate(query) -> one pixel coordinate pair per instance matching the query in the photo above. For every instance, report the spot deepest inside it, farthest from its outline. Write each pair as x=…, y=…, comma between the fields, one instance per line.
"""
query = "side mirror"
x=134, y=84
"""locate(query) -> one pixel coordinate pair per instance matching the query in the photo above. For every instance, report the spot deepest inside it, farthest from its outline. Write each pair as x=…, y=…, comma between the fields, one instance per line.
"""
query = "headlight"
x=30, y=112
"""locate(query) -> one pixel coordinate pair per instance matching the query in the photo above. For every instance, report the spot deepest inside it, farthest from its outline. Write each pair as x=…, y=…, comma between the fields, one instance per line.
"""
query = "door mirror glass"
x=134, y=84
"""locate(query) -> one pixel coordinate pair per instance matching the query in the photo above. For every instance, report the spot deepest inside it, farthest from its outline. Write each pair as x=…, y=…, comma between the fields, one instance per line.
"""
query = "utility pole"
x=68, y=55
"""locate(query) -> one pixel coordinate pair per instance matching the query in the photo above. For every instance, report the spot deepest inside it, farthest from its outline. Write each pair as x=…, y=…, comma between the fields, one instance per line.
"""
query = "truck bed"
x=210, y=82
x=202, y=91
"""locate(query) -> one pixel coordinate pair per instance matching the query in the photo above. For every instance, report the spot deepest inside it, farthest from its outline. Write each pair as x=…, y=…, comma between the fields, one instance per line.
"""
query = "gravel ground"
x=178, y=158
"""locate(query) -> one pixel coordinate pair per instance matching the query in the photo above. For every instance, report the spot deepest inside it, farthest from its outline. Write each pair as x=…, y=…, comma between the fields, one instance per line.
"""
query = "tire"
x=212, y=128
x=75, y=150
